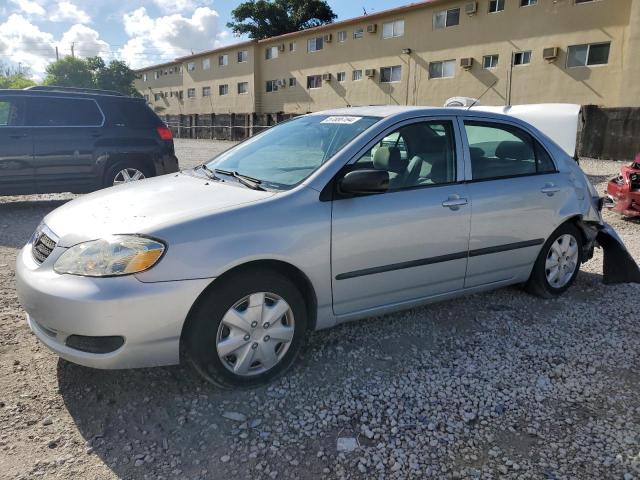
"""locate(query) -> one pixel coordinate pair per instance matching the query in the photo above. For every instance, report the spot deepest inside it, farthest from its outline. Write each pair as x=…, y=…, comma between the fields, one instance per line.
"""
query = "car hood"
x=145, y=206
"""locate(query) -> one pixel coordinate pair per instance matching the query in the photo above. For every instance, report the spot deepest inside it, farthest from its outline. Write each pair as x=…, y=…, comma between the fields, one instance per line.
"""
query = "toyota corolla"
x=326, y=218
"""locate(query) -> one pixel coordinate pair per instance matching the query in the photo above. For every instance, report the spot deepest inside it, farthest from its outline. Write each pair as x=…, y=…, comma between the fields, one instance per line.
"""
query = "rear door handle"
x=454, y=202
x=17, y=135
x=549, y=189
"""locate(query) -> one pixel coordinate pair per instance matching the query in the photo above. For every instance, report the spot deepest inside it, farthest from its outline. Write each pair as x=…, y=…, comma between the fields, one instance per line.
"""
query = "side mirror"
x=364, y=181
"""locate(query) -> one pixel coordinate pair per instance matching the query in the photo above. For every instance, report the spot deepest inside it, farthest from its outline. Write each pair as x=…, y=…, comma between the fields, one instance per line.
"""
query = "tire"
x=542, y=281
x=130, y=166
x=204, y=341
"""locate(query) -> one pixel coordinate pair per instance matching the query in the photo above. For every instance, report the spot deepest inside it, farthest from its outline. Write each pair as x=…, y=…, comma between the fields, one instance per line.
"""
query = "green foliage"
x=92, y=72
x=269, y=18
x=11, y=77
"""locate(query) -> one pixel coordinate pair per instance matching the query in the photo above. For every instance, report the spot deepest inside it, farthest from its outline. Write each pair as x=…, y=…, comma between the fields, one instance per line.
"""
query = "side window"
x=63, y=112
x=419, y=154
x=499, y=151
x=11, y=111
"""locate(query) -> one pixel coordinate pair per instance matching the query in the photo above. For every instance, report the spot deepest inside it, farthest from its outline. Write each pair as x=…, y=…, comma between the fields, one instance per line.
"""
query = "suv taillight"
x=165, y=133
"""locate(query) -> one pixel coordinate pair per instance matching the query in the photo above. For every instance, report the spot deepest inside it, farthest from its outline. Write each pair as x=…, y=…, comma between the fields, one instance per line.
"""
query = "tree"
x=11, y=77
x=92, y=72
x=269, y=18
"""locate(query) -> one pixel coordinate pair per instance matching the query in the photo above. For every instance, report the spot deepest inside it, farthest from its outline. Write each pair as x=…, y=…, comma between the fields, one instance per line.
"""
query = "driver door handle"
x=549, y=189
x=454, y=202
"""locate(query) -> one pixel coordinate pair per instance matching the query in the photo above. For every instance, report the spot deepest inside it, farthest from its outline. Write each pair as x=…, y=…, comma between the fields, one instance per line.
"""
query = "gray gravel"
x=497, y=385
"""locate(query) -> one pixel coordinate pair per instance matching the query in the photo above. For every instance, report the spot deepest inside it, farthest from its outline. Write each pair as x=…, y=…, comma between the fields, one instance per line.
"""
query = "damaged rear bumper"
x=619, y=266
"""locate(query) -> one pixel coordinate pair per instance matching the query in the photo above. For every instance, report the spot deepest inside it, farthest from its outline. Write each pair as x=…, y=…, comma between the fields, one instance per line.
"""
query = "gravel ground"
x=497, y=385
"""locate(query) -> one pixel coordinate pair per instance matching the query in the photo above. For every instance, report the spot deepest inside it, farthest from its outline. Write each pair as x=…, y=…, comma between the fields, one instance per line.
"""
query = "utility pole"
x=57, y=56
x=73, y=49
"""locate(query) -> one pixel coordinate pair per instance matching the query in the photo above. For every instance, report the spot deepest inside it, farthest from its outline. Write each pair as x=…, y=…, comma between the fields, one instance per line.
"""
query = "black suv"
x=57, y=139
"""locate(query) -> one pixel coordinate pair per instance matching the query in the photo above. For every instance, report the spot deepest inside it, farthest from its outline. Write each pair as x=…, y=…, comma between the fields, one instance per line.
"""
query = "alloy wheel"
x=255, y=334
x=127, y=175
x=562, y=261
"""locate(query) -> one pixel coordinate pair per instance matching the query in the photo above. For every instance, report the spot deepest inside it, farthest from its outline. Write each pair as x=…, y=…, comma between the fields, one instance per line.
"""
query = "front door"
x=517, y=196
x=410, y=242
x=66, y=132
x=16, y=148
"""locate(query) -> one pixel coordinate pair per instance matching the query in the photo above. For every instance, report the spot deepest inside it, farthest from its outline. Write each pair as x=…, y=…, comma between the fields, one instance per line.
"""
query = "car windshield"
x=286, y=154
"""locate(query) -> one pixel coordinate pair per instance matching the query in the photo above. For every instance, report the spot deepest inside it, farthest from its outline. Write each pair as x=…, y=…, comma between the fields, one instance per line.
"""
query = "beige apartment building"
x=509, y=51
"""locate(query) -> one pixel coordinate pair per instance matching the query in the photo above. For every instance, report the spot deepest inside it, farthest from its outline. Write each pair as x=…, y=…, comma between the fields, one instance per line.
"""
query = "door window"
x=11, y=111
x=63, y=112
x=420, y=154
x=499, y=151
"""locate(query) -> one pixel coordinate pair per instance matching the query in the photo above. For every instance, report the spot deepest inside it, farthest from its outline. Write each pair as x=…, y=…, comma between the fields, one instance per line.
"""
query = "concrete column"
x=630, y=91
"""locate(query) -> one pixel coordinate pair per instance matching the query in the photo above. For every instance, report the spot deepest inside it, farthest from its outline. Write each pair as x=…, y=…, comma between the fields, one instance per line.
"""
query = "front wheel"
x=125, y=172
x=558, y=263
x=247, y=330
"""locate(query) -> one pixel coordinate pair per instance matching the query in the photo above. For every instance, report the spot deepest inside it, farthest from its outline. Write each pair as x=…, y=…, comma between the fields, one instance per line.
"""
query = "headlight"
x=112, y=256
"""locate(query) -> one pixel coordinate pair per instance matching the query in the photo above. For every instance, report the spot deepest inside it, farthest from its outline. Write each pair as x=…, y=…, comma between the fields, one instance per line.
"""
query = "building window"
x=243, y=56
x=391, y=74
x=180, y=94
x=271, y=52
x=314, y=81
x=292, y=47
x=341, y=76
x=357, y=75
x=522, y=58
x=206, y=91
x=292, y=82
x=206, y=64
x=243, y=88
x=444, y=69
x=223, y=89
x=272, y=86
x=358, y=33
x=314, y=44
x=446, y=18
x=156, y=76
x=157, y=96
x=393, y=29
x=223, y=60
x=496, y=6
x=585, y=1
x=489, y=61
x=587, y=55
x=191, y=93
x=144, y=77
x=342, y=36
x=528, y=3
x=191, y=66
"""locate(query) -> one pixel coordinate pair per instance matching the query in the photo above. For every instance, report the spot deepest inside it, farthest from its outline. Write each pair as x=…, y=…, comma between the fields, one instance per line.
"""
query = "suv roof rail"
x=53, y=88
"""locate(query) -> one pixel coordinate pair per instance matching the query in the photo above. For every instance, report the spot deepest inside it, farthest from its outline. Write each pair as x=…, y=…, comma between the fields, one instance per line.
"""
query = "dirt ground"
x=496, y=385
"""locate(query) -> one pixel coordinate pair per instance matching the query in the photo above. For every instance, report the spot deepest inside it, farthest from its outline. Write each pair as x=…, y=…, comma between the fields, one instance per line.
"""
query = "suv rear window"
x=63, y=112
x=129, y=113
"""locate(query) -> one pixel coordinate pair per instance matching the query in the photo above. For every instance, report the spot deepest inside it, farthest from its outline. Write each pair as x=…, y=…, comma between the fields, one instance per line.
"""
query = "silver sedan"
x=326, y=218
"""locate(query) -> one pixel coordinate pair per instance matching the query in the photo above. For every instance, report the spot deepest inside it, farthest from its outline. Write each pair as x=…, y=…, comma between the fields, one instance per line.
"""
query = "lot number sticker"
x=341, y=120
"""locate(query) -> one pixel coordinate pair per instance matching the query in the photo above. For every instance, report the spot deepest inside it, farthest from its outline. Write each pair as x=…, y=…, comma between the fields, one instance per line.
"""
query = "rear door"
x=16, y=148
x=516, y=194
x=66, y=131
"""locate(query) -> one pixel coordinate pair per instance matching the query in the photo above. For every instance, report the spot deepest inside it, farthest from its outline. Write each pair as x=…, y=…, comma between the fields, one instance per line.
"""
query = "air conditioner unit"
x=281, y=47
x=372, y=28
x=370, y=72
x=550, y=53
x=471, y=8
x=280, y=83
x=326, y=77
x=328, y=37
x=466, y=63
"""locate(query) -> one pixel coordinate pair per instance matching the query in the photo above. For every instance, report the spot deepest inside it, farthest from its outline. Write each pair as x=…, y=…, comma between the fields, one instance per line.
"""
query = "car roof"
x=387, y=111
x=66, y=93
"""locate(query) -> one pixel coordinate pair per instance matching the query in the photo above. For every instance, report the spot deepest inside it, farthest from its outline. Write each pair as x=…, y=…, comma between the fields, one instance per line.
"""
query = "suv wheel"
x=125, y=173
x=558, y=263
x=247, y=330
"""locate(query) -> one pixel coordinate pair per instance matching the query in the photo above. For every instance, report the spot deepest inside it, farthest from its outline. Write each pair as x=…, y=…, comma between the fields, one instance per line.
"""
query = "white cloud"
x=23, y=42
x=67, y=11
x=161, y=39
x=180, y=5
x=30, y=7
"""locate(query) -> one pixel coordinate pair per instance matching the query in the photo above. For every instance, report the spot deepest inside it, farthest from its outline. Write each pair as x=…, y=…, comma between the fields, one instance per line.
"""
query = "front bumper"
x=149, y=316
x=623, y=200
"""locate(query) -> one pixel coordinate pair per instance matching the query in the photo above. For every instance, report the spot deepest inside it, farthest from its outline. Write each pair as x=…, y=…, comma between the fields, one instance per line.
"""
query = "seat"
x=389, y=159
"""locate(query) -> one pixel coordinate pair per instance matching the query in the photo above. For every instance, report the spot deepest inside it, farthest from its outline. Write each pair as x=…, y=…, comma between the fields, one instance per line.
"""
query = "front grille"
x=42, y=247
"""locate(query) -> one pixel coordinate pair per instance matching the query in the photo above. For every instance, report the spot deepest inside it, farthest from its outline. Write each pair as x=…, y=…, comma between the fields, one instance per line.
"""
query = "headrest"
x=476, y=152
x=434, y=144
x=388, y=158
x=515, y=150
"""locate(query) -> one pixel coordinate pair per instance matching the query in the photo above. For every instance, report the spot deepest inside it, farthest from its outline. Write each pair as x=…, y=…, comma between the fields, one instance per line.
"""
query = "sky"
x=140, y=32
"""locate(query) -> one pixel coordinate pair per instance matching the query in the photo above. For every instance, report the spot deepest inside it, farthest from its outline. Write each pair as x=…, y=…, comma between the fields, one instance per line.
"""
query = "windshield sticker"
x=342, y=120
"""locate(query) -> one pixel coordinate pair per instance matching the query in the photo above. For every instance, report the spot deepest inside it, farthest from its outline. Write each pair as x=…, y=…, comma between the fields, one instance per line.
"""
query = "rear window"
x=129, y=113
x=63, y=112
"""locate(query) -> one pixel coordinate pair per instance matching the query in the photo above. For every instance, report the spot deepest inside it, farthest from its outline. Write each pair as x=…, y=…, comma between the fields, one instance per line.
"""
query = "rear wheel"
x=558, y=263
x=126, y=172
x=247, y=330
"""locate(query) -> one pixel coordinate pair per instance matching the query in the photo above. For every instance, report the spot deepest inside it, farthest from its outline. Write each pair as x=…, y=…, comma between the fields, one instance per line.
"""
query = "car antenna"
x=483, y=93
